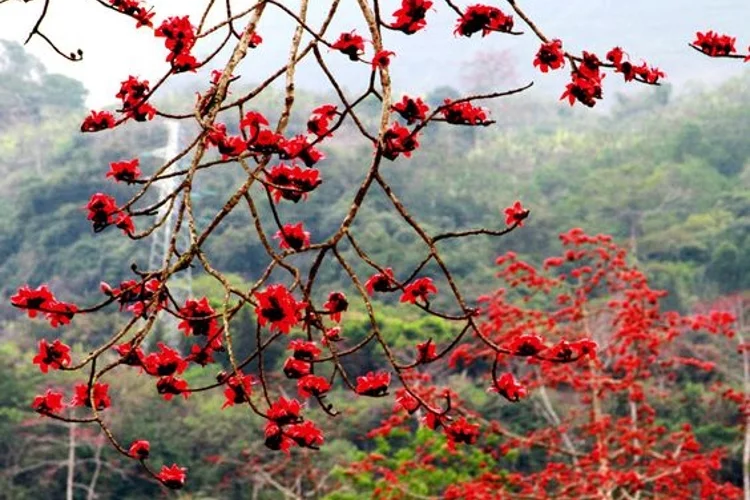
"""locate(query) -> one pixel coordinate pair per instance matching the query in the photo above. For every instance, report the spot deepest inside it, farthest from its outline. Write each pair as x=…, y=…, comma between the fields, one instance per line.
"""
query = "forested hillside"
x=668, y=177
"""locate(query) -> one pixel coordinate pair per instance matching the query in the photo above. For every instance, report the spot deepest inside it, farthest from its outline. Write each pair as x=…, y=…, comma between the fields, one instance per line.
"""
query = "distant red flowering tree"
x=733, y=313
x=282, y=168
x=608, y=442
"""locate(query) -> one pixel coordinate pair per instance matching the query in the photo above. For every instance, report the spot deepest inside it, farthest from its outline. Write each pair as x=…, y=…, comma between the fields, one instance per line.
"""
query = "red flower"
x=583, y=89
x=170, y=386
x=335, y=305
x=276, y=439
x=253, y=121
x=254, y=41
x=124, y=222
x=60, y=313
x=164, y=363
x=180, y=38
x=135, y=296
x=299, y=147
x=100, y=396
x=615, y=56
x=527, y=345
x=296, y=368
x=50, y=402
x=566, y=352
x=184, y=62
x=285, y=411
x=304, y=350
x=516, y=214
x=172, y=477
x=320, y=120
x=278, y=307
x=483, y=18
x=407, y=401
x=201, y=355
x=461, y=431
x=140, y=449
x=102, y=209
x=55, y=356
x=142, y=112
x=381, y=282
x=238, y=389
x=464, y=113
x=198, y=318
x=132, y=92
x=293, y=236
x=550, y=56
x=332, y=335
x=507, y=387
x=553, y=262
x=589, y=66
x=130, y=356
x=426, y=352
x=585, y=347
x=231, y=147
x=382, y=59
x=305, y=435
x=373, y=384
x=350, y=44
x=397, y=140
x=267, y=142
x=418, y=289
x=631, y=72
x=133, y=9
x=410, y=18
x=649, y=74
x=714, y=44
x=312, y=385
x=98, y=120
x=410, y=109
x=33, y=300
x=294, y=183
x=433, y=421
x=125, y=171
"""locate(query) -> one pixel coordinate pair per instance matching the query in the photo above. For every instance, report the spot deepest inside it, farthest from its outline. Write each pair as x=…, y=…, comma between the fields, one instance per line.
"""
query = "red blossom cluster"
x=464, y=113
x=410, y=18
x=612, y=450
x=278, y=308
x=134, y=9
x=411, y=109
x=483, y=18
x=292, y=183
x=382, y=59
x=550, y=56
x=630, y=72
x=125, y=171
x=180, y=39
x=42, y=300
x=350, y=44
x=293, y=237
x=718, y=45
x=320, y=120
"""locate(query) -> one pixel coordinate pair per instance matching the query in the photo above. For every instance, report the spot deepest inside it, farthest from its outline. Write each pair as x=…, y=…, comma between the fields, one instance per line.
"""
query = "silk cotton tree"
x=602, y=360
x=283, y=169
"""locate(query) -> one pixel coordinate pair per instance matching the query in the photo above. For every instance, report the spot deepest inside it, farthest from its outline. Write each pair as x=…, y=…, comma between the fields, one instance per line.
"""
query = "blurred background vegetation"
x=667, y=176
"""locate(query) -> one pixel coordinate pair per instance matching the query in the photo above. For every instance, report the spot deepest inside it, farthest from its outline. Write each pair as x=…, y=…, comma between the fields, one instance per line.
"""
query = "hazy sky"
x=655, y=30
